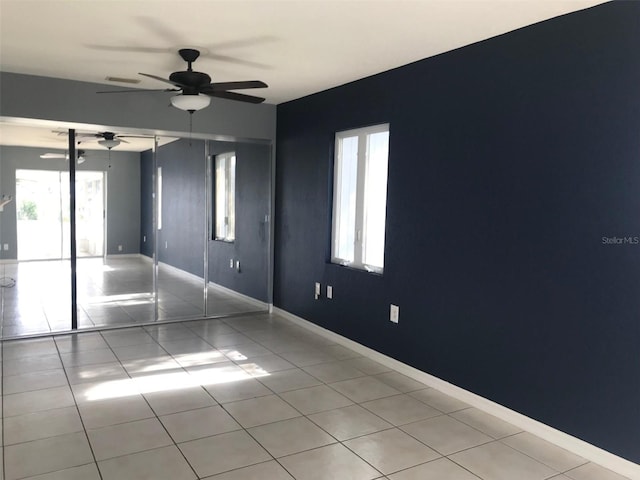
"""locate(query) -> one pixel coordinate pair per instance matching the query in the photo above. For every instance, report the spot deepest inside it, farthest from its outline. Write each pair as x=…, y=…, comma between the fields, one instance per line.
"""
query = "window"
x=360, y=197
x=225, y=196
x=159, y=189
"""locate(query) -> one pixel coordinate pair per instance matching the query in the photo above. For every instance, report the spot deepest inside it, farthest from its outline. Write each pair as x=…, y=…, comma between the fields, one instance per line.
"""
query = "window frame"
x=229, y=189
x=362, y=159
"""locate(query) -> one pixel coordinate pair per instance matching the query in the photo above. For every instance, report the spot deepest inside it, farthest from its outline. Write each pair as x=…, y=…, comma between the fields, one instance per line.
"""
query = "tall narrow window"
x=159, y=189
x=225, y=196
x=360, y=197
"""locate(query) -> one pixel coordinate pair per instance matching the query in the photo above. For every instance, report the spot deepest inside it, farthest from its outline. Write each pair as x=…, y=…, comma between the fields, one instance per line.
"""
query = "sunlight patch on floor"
x=176, y=380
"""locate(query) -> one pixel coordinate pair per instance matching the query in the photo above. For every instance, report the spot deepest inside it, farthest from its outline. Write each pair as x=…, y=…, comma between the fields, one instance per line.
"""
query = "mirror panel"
x=115, y=284
x=239, y=268
x=198, y=275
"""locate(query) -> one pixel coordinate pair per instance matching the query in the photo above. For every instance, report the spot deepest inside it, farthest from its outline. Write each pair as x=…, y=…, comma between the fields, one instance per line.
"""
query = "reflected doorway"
x=42, y=211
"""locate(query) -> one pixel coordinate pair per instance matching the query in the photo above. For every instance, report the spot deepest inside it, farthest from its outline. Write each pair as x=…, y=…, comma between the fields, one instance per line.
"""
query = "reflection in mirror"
x=180, y=234
x=115, y=285
x=199, y=273
x=34, y=236
x=234, y=269
x=239, y=231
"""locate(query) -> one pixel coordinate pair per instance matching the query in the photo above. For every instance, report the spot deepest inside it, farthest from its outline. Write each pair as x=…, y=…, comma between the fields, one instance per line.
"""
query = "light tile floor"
x=249, y=397
x=117, y=291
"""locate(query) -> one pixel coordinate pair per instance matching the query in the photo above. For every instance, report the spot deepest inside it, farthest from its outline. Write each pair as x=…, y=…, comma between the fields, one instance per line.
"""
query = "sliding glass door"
x=42, y=200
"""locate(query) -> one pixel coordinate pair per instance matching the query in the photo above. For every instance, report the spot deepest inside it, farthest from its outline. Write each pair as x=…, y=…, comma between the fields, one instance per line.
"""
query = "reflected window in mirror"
x=225, y=196
x=159, y=190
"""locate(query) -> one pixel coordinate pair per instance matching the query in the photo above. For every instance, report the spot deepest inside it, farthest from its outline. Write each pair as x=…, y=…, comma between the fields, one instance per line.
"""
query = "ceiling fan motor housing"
x=191, y=79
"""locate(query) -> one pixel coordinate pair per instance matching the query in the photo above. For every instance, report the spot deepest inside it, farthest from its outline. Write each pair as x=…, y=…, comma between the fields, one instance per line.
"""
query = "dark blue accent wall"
x=509, y=161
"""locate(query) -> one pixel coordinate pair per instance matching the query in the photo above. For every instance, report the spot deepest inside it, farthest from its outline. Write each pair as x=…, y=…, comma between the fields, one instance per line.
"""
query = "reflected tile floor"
x=248, y=397
x=112, y=292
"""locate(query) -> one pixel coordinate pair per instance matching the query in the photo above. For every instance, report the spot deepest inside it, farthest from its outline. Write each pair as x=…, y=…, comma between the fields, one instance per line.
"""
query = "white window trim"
x=362, y=134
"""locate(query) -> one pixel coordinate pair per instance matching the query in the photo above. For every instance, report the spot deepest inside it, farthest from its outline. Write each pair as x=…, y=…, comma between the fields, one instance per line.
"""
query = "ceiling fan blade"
x=155, y=77
x=243, y=42
x=134, y=90
x=115, y=48
x=86, y=135
x=237, y=61
x=148, y=137
x=218, y=86
x=240, y=97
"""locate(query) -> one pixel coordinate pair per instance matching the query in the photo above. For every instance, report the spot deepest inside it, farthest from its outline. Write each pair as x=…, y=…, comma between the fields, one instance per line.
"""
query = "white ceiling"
x=297, y=47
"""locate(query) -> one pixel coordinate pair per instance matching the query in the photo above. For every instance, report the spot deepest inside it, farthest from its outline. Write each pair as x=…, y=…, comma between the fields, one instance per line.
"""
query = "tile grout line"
x=298, y=368
x=302, y=415
x=246, y=429
x=86, y=434
x=393, y=427
x=559, y=472
x=274, y=393
x=149, y=405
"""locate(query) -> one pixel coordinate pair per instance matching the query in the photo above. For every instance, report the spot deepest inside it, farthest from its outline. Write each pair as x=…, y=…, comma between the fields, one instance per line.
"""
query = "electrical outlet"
x=329, y=292
x=5, y=246
x=231, y=263
x=166, y=244
x=119, y=248
x=144, y=239
x=394, y=313
x=318, y=291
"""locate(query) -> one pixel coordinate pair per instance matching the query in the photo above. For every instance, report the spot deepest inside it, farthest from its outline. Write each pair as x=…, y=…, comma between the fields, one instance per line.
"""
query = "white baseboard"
x=179, y=271
x=241, y=296
x=120, y=255
x=550, y=434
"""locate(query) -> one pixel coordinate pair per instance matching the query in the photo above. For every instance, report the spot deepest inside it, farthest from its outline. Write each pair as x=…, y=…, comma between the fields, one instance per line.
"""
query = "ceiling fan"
x=108, y=140
x=80, y=155
x=196, y=87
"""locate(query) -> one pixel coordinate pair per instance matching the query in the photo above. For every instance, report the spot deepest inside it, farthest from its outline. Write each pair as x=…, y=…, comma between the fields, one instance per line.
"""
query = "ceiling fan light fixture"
x=190, y=102
x=109, y=143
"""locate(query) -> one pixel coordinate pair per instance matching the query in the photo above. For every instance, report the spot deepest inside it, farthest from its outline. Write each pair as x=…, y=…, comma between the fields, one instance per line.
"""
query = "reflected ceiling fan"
x=196, y=88
x=108, y=140
x=65, y=155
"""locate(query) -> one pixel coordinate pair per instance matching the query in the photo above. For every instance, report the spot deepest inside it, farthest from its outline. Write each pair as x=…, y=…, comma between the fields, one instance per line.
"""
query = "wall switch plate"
x=144, y=238
x=5, y=246
x=238, y=265
x=119, y=248
x=317, y=295
x=394, y=313
x=329, y=292
x=166, y=244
